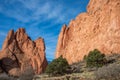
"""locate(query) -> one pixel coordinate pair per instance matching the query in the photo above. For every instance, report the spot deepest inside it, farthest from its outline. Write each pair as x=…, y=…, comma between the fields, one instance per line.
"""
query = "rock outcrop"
x=19, y=52
x=98, y=28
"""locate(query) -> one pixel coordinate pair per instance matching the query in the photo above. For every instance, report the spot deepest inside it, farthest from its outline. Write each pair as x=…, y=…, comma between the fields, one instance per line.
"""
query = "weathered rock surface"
x=98, y=28
x=19, y=52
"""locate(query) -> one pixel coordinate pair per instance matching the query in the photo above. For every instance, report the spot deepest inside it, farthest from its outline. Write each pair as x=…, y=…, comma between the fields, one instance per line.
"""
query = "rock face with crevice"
x=19, y=53
x=98, y=28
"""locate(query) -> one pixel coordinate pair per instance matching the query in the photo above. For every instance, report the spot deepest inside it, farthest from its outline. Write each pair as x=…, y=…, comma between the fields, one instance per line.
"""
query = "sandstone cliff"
x=19, y=52
x=98, y=28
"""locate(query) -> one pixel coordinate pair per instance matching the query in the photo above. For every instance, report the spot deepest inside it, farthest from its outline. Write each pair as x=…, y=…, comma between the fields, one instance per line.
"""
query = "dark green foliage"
x=57, y=66
x=95, y=59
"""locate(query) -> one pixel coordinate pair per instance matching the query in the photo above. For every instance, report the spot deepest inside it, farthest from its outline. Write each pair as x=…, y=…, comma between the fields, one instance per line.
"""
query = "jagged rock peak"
x=21, y=30
x=19, y=52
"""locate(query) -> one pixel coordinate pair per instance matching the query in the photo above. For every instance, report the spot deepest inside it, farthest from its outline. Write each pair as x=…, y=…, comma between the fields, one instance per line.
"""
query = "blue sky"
x=40, y=18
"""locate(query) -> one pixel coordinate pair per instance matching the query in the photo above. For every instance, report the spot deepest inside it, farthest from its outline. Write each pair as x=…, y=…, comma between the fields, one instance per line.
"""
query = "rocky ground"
x=81, y=72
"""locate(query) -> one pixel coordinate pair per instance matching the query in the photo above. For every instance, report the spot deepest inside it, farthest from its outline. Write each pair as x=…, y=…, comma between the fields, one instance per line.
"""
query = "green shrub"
x=95, y=59
x=57, y=67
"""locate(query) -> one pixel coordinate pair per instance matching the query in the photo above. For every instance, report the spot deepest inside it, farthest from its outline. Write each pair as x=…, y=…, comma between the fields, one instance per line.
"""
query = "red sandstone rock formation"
x=19, y=52
x=98, y=28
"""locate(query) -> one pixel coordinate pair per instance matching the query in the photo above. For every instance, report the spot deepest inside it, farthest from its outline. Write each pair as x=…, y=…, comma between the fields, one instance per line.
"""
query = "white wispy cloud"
x=31, y=10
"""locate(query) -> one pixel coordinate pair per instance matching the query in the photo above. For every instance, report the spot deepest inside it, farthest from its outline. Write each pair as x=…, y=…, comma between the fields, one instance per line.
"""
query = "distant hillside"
x=49, y=62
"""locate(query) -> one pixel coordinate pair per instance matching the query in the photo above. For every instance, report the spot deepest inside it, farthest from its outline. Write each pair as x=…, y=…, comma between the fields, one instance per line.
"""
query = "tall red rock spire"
x=98, y=28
